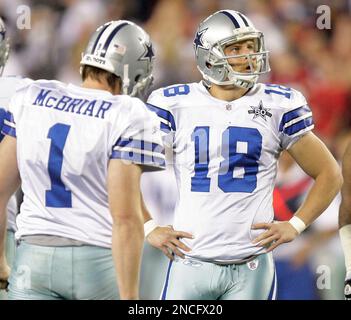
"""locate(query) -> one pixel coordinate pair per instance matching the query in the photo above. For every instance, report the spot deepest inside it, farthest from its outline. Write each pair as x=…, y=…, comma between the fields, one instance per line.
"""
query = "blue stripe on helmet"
x=109, y=39
x=99, y=36
x=244, y=19
x=235, y=22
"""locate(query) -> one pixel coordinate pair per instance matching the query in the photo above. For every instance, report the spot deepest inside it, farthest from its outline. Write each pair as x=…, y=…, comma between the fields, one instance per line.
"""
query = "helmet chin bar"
x=237, y=82
x=4, y=53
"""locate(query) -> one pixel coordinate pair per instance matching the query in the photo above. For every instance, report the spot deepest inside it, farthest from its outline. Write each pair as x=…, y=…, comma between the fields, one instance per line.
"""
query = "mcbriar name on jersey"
x=177, y=309
x=92, y=108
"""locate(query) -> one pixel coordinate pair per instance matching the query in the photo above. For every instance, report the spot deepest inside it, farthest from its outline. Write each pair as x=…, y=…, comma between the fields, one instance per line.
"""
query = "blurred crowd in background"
x=315, y=61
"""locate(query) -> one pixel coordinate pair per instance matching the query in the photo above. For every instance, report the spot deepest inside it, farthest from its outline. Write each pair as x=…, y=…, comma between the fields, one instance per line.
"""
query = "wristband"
x=345, y=237
x=149, y=226
x=298, y=224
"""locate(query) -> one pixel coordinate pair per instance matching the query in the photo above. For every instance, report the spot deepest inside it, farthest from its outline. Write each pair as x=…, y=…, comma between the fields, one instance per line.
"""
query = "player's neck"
x=227, y=93
x=94, y=84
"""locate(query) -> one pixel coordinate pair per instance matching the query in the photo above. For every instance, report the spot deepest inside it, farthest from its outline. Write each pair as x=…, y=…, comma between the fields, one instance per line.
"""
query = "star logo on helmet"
x=198, y=40
x=260, y=111
x=149, y=52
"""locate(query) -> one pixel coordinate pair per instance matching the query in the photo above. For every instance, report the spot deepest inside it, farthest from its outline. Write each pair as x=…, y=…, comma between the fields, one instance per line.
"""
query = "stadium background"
x=312, y=60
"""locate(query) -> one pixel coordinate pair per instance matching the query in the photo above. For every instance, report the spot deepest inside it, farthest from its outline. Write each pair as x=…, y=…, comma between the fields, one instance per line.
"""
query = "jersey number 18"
x=241, y=150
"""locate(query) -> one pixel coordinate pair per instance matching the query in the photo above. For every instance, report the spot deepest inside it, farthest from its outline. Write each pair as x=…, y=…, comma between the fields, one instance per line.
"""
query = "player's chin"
x=241, y=70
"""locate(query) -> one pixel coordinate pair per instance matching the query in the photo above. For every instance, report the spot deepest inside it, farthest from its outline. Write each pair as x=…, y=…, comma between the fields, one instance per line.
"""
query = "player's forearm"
x=145, y=211
x=345, y=219
x=345, y=205
x=326, y=186
x=127, y=245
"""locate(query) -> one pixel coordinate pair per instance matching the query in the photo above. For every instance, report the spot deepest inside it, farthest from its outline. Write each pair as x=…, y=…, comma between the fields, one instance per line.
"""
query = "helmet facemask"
x=257, y=61
x=141, y=84
x=141, y=87
x=4, y=50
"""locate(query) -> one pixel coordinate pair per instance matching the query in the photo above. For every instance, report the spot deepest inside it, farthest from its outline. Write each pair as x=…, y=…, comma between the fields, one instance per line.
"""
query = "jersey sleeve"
x=156, y=103
x=12, y=114
x=8, y=87
x=296, y=121
x=160, y=105
x=2, y=120
x=141, y=140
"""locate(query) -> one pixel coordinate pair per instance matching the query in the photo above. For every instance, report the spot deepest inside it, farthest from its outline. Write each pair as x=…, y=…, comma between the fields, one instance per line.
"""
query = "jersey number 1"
x=57, y=196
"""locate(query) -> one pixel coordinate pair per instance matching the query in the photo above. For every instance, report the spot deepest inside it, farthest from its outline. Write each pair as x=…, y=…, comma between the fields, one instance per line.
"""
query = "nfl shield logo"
x=253, y=264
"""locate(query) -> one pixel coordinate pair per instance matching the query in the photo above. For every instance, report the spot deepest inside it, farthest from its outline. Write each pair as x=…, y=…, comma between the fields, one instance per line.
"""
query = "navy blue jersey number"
x=57, y=196
x=182, y=89
x=241, y=150
x=277, y=89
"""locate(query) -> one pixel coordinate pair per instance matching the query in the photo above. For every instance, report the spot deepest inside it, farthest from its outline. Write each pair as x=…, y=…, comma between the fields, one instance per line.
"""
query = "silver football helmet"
x=216, y=32
x=124, y=49
x=4, y=46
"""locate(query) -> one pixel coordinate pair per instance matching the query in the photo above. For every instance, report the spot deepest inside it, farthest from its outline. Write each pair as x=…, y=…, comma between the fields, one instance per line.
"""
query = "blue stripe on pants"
x=166, y=283
x=273, y=292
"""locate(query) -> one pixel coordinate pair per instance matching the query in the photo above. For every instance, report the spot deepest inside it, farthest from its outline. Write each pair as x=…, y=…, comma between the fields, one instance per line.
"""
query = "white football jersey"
x=66, y=135
x=225, y=160
x=8, y=87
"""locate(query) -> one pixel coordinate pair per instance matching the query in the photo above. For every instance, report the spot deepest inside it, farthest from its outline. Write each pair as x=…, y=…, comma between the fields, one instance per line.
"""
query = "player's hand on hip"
x=167, y=240
x=276, y=233
x=4, y=275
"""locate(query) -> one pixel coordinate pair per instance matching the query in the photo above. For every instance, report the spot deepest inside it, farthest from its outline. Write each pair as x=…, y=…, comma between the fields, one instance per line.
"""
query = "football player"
x=80, y=152
x=345, y=219
x=8, y=86
x=226, y=134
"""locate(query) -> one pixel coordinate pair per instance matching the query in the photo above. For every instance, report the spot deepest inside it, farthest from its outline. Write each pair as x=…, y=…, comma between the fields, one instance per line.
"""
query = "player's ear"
x=82, y=71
